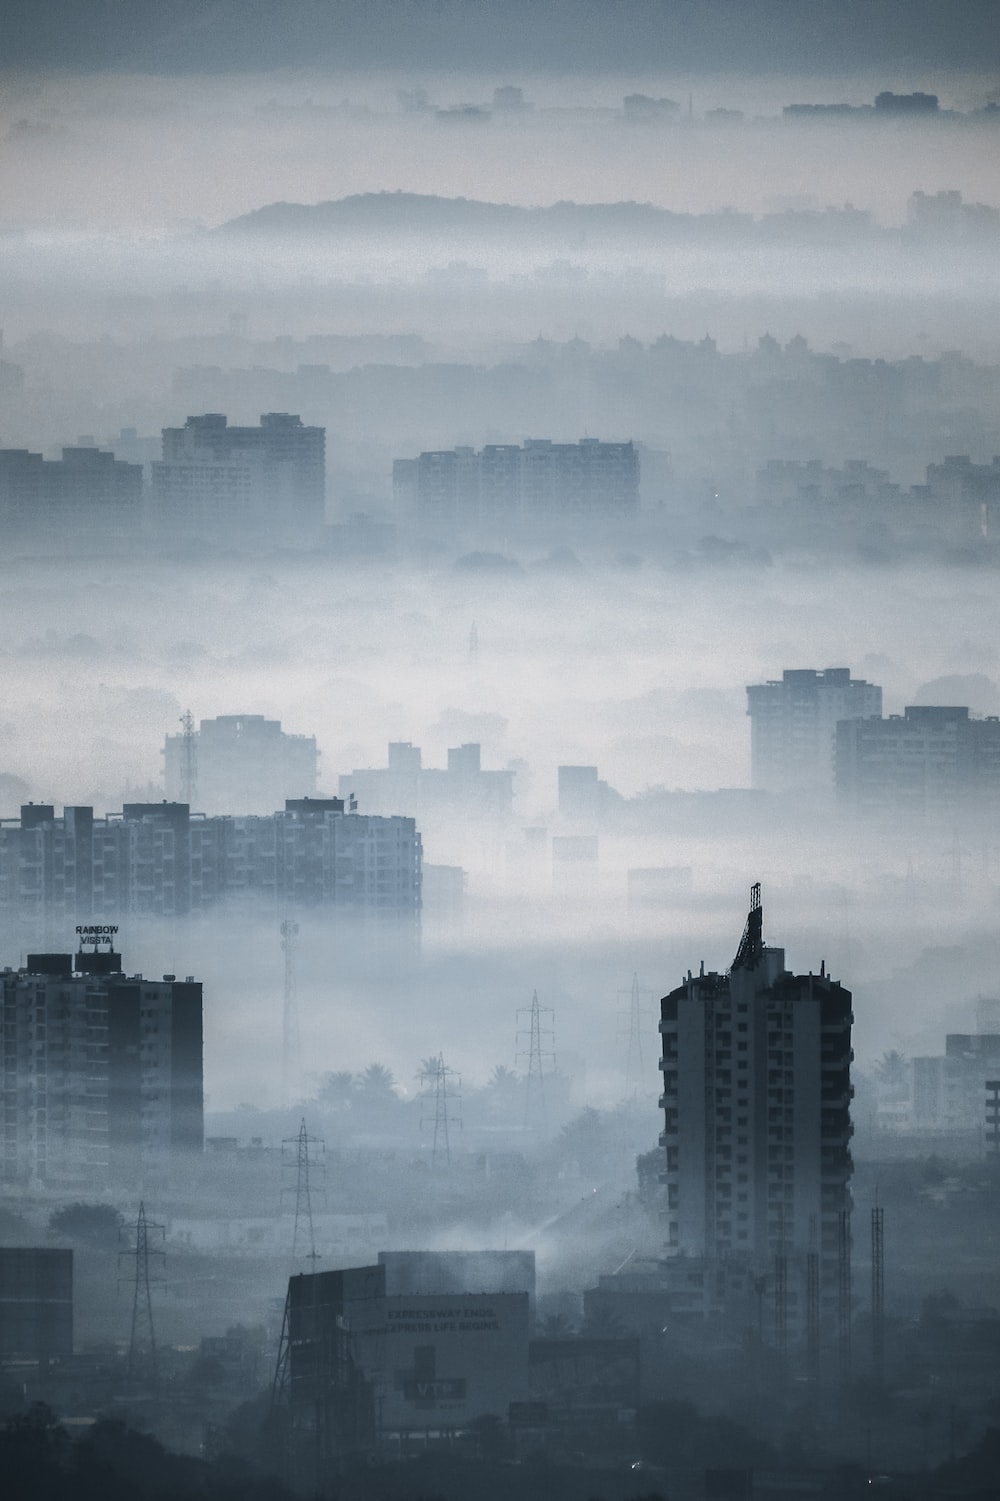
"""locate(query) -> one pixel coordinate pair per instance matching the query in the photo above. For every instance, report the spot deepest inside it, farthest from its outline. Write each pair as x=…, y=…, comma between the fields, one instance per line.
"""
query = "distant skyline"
x=769, y=36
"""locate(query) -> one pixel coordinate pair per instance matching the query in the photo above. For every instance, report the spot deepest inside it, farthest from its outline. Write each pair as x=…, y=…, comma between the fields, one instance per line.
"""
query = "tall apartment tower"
x=101, y=1075
x=227, y=482
x=793, y=726
x=756, y=1100
x=245, y=764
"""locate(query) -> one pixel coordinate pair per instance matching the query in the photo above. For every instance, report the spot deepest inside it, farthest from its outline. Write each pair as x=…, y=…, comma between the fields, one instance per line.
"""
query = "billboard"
x=438, y=1361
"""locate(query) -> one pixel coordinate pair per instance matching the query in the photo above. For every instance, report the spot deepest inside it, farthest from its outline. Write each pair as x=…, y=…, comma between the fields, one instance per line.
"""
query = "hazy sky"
x=751, y=35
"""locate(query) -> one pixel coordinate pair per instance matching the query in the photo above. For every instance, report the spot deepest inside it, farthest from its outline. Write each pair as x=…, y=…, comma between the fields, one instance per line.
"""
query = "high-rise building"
x=101, y=1072
x=242, y=763
x=505, y=483
x=793, y=726
x=930, y=761
x=87, y=493
x=160, y=860
x=224, y=482
x=462, y=789
x=756, y=1100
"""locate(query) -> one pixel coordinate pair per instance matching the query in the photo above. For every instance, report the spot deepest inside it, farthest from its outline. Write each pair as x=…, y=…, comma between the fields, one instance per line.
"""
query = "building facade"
x=793, y=726
x=931, y=761
x=87, y=493
x=239, y=763
x=225, y=482
x=160, y=860
x=756, y=1100
x=505, y=483
x=102, y=1071
x=462, y=789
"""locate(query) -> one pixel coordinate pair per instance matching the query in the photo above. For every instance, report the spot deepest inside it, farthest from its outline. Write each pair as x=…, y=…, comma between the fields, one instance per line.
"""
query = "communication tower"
x=142, y=1362
x=189, y=759
x=536, y=1047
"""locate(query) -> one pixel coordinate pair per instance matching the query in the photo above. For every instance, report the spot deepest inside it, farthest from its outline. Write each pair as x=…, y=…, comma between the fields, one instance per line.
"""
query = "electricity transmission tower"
x=878, y=1295
x=142, y=1363
x=440, y=1104
x=189, y=759
x=290, y=1013
x=632, y=1014
x=540, y=1049
x=307, y=1155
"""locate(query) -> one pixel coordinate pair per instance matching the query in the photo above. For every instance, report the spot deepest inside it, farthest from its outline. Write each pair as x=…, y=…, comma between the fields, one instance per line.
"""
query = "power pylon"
x=189, y=759
x=307, y=1155
x=441, y=1105
x=632, y=1013
x=142, y=1362
x=878, y=1296
x=290, y=1014
x=540, y=1047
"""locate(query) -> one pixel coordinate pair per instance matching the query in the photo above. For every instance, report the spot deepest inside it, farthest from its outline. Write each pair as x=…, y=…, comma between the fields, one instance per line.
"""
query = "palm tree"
x=377, y=1082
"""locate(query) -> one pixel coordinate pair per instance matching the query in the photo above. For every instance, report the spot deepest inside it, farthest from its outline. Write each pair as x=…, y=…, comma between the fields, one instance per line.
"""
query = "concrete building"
x=756, y=1100
x=462, y=790
x=241, y=763
x=160, y=860
x=505, y=483
x=949, y=1092
x=931, y=761
x=366, y=1367
x=102, y=1071
x=87, y=493
x=793, y=726
x=228, y=482
x=36, y=1303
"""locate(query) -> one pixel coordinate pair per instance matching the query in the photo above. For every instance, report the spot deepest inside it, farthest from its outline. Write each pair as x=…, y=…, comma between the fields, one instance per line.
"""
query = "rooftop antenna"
x=441, y=1104
x=189, y=759
x=290, y=1056
x=142, y=1361
x=751, y=949
x=536, y=1053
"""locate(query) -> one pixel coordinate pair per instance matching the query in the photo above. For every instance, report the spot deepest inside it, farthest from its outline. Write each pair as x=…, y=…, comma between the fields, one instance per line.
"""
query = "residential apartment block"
x=793, y=726
x=160, y=860
x=229, y=482
x=239, y=763
x=102, y=1076
x=756, y=1099
x=504, y=483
